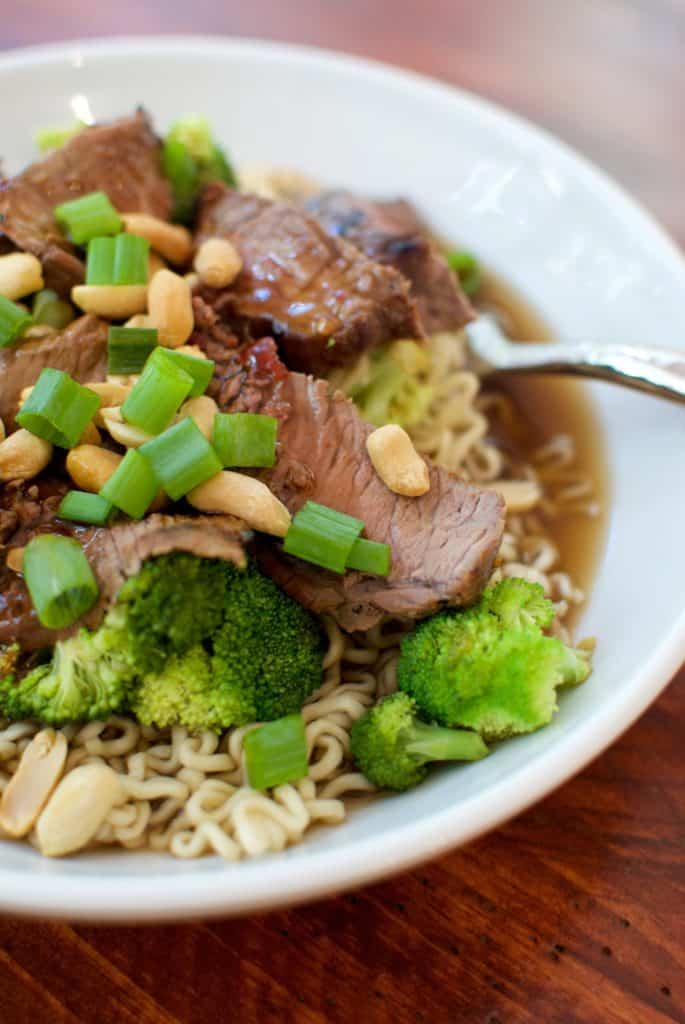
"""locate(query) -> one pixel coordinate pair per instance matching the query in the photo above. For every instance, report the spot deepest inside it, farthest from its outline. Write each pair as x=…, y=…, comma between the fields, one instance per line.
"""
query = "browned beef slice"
x=115, y=553
x=80, y=350
x=121, y=159
x=443, y=543
x=320, y=297
x=391, y=232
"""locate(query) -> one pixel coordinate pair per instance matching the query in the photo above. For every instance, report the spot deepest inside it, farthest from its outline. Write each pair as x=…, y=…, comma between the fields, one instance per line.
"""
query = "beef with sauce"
x=121, y=159
x=322, y=299
x=392, y=233
x=80, y=350
x=443, y=543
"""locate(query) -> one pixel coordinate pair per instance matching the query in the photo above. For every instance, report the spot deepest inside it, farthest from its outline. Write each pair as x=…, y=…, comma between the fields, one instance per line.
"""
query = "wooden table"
x=573, y=913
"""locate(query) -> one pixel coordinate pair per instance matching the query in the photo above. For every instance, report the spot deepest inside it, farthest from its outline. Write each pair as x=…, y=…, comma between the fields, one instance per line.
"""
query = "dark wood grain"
x=575, y=912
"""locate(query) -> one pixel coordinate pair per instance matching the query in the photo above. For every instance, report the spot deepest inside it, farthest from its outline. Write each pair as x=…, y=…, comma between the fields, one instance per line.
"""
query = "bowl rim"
x=282, y=882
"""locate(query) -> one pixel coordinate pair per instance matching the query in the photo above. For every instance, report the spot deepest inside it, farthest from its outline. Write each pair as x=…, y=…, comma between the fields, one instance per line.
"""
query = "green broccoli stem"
x=435, y=743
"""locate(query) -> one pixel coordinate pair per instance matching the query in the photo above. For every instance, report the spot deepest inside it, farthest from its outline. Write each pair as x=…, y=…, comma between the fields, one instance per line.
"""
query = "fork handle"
x=658, y=371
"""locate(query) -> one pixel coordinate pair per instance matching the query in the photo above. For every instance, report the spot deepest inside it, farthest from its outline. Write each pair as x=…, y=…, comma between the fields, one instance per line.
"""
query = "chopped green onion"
x=49, y=309
x=59, y=578
x=82, y=507
x=120, y=260
x=100, y=261
x=323, y=536
x=132, y=486
x=128, y=348
x=54, y=137
x=245, y=439
x=58, y=408
x=13, y=321
x=88, y=216
x=157, y=396
x=182, y=458
x=276, y=753
x=369, y=556
x=467, y=269
x=130, y=259
x=201, y=370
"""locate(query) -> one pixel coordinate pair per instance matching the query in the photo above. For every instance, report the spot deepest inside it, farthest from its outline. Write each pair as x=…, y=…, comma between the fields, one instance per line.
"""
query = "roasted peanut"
x=154, y=263
x=243, y=496
x=77, y=808
x=123, y=432
x=217, y=262
x=29, y=788
x=20, y=274
x=173, y=242
x=91, y=435
x=192, y=350
x=111, y=394
x=170, y=308
x=112, y=301
x=23, y=456
x=38, y=331
x=193, y=279
x=91, y=467
x=3, y=433
x=397, y=462
x=202, y=409
x=140, y=319
x=15, y=559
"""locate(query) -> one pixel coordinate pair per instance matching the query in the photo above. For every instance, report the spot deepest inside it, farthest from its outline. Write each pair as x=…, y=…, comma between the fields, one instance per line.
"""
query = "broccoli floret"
x=174, y=603
x=87, y=677
x=191, y=159
x=391, y=390
x=490, y=667
x=518, y=603
x=185, y=692
x=392, y=747
x=268, y=647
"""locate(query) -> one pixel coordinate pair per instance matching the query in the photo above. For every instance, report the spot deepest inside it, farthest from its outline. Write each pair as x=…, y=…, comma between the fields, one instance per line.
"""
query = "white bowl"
x=572, y=243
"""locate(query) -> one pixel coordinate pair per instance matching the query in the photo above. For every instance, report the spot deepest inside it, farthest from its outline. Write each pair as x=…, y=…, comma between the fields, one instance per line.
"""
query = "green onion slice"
x=132, y=486
x=88, y=216
x=59, y=578
x=466, y=266
x=323, y=536
x=157, y=396
x=49, y=309
x=13, y=321
x=130, y=259
x=369, y=556
x=201, y=370
x=179, y=167
x=100, y=261
x=128, y=348
x=82, y=507
x=120, y=260
x=276, y=753
x=58, y=409
x=182, y=458
x=245, y=439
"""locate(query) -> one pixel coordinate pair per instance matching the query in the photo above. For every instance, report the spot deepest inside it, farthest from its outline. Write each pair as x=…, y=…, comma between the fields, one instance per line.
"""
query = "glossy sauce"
x=550, y=406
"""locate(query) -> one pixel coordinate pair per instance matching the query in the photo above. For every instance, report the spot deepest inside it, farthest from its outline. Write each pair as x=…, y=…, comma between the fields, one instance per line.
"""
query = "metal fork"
x=657, y=371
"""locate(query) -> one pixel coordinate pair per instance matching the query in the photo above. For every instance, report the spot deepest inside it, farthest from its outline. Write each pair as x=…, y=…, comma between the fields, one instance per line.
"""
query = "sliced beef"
x=115, y=553
x=80, y=350
x=121, y=159
x=322, y=300
x=443, y=543
x=391, y=232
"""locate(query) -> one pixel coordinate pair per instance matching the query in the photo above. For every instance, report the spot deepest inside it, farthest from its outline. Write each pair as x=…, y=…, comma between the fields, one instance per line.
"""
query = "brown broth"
x=549, y=406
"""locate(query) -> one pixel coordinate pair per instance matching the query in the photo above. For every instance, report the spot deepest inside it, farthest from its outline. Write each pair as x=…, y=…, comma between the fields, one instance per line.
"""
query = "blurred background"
x=608, y=76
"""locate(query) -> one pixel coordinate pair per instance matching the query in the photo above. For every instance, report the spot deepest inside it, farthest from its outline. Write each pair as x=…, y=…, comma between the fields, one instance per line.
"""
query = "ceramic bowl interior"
x=573, y=245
